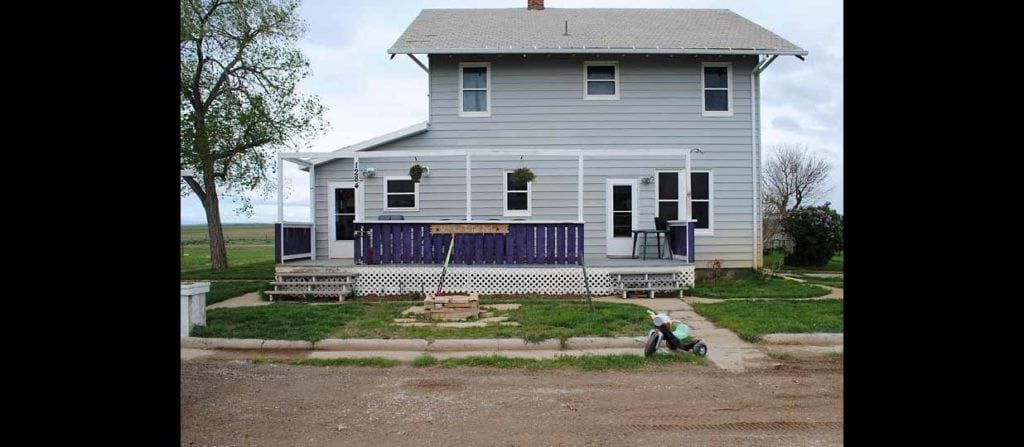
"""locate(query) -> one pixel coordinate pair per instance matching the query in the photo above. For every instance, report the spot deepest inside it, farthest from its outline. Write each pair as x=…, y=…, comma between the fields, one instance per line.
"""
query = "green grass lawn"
x=754, y=286
x=752, y=319
x=244, y=262
x=222, y=290
x=233, y=234
x=539, y=320
x=776, y=257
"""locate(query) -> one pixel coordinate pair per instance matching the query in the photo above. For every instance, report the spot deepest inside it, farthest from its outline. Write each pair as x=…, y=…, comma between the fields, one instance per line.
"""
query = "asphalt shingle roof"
x=518, y=30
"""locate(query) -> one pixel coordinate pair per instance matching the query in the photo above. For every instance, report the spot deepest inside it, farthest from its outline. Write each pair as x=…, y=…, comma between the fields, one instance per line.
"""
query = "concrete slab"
x=600, y=342
x=413, y=310
x=404, y=356
x=287, y=344
x=247, y=300
x=189, y=353
x=655, y=304
x=519, y=344
x=461, y=324
x=370, y=344
x=509, y=323
x=480, y=344
x=512, y=306
x=819, y=339
x=804, y=350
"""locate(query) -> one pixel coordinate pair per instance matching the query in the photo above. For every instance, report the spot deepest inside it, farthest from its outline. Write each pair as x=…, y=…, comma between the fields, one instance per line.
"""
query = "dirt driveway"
x=227, y=403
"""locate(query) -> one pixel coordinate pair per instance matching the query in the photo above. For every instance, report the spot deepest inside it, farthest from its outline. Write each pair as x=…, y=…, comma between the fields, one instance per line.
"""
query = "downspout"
x=755, y=152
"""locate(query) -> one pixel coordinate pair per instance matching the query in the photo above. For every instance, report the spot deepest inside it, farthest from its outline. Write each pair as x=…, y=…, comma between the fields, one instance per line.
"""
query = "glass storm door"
x=621, y=216
x=342, y=214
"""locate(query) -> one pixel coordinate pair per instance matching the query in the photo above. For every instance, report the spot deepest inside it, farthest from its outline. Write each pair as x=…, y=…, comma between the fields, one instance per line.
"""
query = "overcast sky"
x=368, y=95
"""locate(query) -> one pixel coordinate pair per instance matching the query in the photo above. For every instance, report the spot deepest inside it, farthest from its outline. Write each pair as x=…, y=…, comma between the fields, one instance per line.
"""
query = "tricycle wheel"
x=700, y=349
x=652, y=344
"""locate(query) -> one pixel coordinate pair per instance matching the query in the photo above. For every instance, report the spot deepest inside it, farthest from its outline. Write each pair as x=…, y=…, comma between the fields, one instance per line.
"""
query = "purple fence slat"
x=690, y=241
x=417, y=242
x=550, y=229
x=406, y=244
x=520, y=244
x=579, y=244
x=559, y=244
x=478, y=250
x=499, y=248
x=570, y=242
x=529, y=242
x=541, y=238
x=510, y=251
x=375, y=249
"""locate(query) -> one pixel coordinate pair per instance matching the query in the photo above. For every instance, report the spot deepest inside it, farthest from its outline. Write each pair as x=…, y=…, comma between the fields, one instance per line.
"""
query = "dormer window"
x=475, y=89
x=601, y=80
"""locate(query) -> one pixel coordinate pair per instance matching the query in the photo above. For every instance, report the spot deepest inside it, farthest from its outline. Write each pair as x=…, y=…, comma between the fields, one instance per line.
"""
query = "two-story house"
x=632, y=121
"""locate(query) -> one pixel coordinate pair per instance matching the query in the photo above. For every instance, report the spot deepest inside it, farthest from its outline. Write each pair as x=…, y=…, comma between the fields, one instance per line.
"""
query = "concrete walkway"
x=405, y=356
x=725, y=349
x=249, y=299
x=803, y=344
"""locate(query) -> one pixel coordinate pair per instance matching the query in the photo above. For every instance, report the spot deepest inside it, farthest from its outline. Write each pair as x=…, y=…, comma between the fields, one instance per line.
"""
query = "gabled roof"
x=520, y=31
x=399, y=134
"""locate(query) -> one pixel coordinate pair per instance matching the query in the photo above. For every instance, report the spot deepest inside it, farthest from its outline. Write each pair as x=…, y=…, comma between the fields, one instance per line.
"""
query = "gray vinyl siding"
x=537, y=102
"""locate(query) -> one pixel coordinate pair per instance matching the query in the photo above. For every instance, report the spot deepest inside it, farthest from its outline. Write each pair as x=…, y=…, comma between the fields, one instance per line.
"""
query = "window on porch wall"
x=518, y=197
x=669, y=203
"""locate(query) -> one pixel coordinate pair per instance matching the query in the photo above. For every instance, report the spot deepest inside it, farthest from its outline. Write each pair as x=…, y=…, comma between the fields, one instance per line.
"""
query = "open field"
x=233, y=234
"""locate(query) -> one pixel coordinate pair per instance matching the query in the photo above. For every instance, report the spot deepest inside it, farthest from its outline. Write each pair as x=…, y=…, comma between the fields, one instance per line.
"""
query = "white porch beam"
x=579, y=188
x=469, y=188
x=633, y=153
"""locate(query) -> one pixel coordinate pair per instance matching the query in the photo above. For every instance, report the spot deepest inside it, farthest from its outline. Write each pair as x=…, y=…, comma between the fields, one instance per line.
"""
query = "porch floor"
x=591, y=261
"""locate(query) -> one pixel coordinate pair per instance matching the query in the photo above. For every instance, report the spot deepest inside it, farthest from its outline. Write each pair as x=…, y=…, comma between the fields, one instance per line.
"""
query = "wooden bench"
x=313, y=283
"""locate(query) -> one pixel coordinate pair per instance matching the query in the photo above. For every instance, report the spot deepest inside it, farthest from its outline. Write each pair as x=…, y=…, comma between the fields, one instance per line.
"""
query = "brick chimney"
x=535, y=5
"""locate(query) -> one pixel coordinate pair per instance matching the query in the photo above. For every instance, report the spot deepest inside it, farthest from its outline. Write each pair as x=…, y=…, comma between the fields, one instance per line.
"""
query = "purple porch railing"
x=410, y=242
x=297, y=241
x=681, y=233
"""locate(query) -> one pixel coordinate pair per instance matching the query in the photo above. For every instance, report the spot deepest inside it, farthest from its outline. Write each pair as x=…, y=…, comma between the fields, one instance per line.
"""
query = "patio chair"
x=660, y=227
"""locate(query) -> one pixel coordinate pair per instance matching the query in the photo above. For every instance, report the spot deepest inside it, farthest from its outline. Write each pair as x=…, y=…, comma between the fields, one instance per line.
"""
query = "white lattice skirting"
x=391, y=280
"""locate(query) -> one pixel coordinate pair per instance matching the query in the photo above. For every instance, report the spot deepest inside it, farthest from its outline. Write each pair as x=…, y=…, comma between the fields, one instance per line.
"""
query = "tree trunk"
x=218, y=253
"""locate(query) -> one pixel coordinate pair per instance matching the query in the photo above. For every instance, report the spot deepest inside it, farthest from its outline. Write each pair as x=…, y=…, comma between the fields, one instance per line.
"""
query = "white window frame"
x=461, y=89
x=416, y=194
x=710, y=230
x=729, y=90
x=680, y=196
x=504, y=197
x=586, y=77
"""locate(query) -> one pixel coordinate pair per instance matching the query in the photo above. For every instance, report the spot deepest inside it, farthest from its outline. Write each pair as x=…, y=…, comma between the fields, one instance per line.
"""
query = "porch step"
x=302, y=284
x=312, y=283
x=647, y=282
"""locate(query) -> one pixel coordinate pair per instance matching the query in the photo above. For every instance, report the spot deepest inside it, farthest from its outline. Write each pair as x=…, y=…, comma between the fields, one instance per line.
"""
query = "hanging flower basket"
x=416, y=172
x=523, y=175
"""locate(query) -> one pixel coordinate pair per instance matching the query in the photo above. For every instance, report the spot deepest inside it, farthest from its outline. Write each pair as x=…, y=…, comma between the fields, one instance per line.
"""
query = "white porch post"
x=689, y=209
x=312, y=210
x=579, y=188
x=469, y=188
x=280, y=201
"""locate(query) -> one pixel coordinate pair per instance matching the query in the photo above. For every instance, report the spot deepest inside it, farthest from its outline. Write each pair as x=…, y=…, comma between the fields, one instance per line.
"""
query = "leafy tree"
x=817, y=232
x=240, y=69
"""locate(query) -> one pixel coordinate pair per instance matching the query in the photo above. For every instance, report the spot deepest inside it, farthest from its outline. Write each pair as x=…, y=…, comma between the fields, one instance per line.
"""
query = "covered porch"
x=477, y=241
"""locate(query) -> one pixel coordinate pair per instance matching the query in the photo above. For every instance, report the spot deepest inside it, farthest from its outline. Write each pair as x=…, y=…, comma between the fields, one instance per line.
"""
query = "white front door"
x=620, y=215
x=344, y=205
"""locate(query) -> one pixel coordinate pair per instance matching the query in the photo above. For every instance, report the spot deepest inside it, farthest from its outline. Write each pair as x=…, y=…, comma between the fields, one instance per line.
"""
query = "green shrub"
x=818, y=235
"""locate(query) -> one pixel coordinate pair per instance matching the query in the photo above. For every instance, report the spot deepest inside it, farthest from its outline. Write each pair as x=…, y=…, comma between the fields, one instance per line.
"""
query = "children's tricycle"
x=672, y=331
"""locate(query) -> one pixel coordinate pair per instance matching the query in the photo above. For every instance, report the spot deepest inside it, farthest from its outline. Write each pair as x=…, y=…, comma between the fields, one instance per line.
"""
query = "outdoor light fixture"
x=647, y=180
x=369, y=172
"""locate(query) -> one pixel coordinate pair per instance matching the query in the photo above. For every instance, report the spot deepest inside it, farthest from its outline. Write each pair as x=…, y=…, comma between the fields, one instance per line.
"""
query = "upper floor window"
x=716, y=79
x=602, y=80
x=401, y=193
x=518, y=196
x=475, y=89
